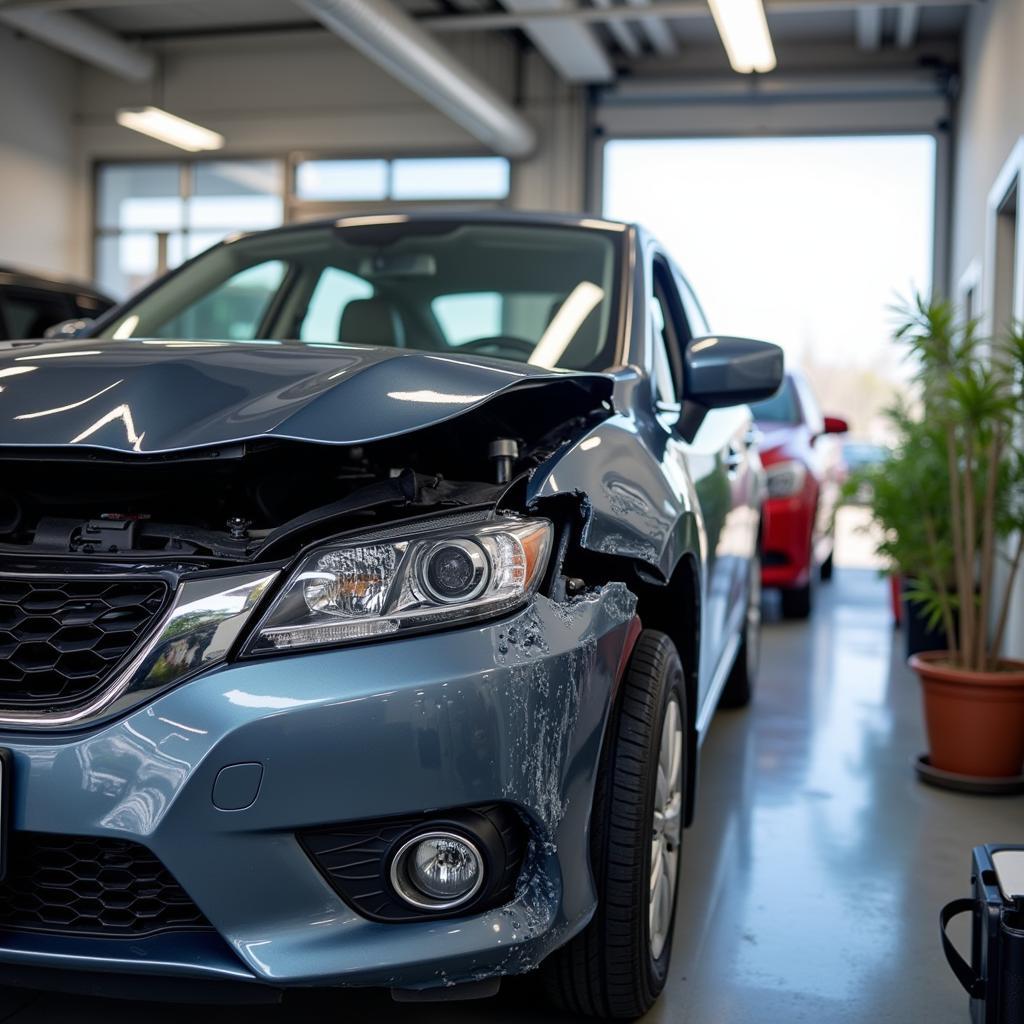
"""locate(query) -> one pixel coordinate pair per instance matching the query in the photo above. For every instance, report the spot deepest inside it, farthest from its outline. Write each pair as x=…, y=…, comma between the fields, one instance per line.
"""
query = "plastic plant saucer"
x=978, y=785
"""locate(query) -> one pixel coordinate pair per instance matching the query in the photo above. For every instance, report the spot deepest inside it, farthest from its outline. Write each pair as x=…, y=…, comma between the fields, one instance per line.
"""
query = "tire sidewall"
x=671, y=686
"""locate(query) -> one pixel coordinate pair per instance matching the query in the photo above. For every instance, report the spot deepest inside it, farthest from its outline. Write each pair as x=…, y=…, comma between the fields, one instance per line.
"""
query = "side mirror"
x=836, y=425
x=74, y=328
x=721, y=371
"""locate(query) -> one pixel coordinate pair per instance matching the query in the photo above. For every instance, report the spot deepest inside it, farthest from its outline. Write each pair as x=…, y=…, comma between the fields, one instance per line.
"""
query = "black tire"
x=739, y=687
x=828, y=566
x=797, y=602
x=610, y=970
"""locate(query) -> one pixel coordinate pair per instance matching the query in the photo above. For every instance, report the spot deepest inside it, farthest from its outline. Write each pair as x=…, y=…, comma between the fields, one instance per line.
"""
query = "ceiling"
x=861, y=25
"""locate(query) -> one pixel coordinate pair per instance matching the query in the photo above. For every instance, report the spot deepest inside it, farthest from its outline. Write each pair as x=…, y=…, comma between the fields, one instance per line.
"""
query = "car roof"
x=52, y=282
x=450, y=216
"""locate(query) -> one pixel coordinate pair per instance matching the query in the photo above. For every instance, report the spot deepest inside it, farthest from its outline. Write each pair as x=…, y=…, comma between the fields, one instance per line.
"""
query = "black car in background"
x=30, y=304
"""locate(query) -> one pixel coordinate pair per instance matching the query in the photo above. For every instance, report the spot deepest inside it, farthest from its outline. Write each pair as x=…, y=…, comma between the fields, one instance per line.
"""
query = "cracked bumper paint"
x=513, y=710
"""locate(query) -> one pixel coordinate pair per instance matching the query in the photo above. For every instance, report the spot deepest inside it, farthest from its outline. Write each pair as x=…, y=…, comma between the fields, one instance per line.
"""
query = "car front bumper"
x=510, y=711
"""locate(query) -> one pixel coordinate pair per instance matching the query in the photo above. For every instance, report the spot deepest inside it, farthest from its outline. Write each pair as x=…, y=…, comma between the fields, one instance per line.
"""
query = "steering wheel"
x=500, y=346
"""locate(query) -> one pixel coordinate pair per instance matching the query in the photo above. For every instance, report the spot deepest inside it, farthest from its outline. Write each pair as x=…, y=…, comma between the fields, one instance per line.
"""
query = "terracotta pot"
x=975, y=720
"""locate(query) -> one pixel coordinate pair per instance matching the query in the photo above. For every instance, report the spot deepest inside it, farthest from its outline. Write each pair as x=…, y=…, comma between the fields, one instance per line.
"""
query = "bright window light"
x=166, y=127
x=744, y=31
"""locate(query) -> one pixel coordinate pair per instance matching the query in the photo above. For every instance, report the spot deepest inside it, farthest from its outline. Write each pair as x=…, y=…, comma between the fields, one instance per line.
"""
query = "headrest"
x=371, y=322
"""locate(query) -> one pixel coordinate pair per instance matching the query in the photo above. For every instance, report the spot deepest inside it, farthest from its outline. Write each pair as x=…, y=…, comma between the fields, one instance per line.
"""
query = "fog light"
x=437, y=871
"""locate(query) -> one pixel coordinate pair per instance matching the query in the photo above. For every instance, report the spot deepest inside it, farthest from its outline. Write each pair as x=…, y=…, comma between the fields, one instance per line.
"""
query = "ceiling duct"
x=82, y=39
x=390, y=38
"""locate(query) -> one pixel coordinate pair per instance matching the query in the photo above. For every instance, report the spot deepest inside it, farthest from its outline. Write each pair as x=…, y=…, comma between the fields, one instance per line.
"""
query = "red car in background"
x=803, y=488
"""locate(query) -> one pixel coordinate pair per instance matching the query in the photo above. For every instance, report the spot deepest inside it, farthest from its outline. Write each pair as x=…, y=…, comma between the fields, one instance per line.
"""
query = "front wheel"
x=617, y=966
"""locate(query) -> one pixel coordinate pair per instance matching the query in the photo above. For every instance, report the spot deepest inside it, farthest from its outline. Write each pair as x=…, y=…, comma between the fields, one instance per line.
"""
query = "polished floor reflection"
x=813, y=877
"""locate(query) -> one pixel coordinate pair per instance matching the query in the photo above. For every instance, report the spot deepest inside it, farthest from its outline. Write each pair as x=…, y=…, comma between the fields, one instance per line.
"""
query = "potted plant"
x=951, y=507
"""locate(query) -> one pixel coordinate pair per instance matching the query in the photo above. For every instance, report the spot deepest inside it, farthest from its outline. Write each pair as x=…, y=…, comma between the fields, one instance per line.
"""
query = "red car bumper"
x=786, y=559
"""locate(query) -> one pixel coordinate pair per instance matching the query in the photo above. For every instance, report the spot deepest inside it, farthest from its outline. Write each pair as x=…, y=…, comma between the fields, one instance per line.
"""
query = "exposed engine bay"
x=266, y=498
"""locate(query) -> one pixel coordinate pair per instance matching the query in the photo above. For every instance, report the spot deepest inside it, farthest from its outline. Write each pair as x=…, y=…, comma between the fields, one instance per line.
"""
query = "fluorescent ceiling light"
x=175, y=131
x=744, y=31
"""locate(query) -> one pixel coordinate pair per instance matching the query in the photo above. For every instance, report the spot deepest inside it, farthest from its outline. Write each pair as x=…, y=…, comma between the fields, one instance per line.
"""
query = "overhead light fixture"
x=744, y=31
x=169, y=128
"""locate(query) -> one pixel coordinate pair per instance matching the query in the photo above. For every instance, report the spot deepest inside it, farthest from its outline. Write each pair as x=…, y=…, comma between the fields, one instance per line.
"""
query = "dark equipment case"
x=994, y=979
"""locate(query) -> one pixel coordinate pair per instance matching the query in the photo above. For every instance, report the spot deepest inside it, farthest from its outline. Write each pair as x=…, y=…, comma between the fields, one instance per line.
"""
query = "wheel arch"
x=674, y=608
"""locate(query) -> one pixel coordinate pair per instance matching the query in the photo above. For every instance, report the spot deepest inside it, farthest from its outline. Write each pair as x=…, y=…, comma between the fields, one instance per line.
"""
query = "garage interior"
x=813, y=876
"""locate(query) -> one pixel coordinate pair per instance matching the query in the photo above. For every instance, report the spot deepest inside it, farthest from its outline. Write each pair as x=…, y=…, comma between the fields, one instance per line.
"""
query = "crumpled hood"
x=151, y=396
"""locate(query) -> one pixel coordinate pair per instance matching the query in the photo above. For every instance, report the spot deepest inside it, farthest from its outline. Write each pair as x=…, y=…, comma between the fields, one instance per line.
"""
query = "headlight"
x=786, y=479
x=389, y=583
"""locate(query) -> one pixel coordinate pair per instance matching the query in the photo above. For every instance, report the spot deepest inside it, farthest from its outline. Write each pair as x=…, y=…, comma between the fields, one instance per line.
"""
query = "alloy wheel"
x=666, y=831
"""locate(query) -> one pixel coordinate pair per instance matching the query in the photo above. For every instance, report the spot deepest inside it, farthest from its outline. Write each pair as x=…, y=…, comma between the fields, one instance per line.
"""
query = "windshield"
x=536, y=294
x=780, y=408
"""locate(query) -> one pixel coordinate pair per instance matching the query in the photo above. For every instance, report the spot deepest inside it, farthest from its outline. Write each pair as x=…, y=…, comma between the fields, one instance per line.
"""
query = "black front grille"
x=78, y=885
x=61, y=639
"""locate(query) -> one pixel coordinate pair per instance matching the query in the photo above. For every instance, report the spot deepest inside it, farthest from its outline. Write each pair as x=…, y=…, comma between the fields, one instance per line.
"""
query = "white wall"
x=308, y=91
x=990, y=119
x=36, y=155
x=989, y=124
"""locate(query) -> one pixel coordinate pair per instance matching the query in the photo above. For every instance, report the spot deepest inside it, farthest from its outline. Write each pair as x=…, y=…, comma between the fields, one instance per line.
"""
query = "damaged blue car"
x=366, y=591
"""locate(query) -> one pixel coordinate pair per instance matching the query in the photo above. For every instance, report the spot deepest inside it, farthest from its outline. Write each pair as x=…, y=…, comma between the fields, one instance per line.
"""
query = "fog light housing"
x=437, y=871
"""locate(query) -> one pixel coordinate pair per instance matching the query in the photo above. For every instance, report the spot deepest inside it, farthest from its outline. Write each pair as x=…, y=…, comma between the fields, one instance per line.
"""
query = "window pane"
x=233, y=310
x=342, y=179
x=469, y=316
x=546, y=295
x=146, y=196
x=236, y=195
x=29, y=312
x=780, y=408
x=199, y=241
x=124, y=263
x=451, y=178
x=334, y=291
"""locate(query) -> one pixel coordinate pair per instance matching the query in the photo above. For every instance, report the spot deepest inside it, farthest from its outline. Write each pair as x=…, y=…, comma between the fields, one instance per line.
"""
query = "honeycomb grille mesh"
x=80, y=885
x=61, y=639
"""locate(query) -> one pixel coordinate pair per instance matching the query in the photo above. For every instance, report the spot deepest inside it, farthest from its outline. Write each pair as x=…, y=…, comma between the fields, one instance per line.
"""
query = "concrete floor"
x=812, y=878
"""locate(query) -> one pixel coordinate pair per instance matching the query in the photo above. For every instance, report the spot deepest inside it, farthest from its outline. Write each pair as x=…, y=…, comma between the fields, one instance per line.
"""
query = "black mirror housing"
x=723, y=371
x=719, y=372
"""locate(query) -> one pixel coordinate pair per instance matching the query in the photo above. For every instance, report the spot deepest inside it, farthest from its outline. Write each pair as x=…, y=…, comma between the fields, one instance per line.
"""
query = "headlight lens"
x=786, y=479
x=390, y=584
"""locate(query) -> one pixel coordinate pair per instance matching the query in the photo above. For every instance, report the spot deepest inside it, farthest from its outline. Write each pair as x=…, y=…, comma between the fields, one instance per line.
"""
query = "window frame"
x=298, y=209
x=662, y=285
x=294, y=210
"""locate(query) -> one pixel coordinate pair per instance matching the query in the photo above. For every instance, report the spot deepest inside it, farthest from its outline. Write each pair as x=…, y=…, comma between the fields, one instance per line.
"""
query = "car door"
x=722, y=465
x=705, y=460
x=744, y=464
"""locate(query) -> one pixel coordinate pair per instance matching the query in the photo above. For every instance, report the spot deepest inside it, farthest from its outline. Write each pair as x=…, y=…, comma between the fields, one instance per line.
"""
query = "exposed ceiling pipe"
x=82, y=39
x=907, y=20
x=490, y=20
x=388, y=36
x=656, y=30
x=869, y=28
x=621, y=32
x=572, y=49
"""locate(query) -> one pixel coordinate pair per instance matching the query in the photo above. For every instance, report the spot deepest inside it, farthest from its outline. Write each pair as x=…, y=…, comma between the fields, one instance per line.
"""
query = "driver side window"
x=670, y=333
x=664, y=385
